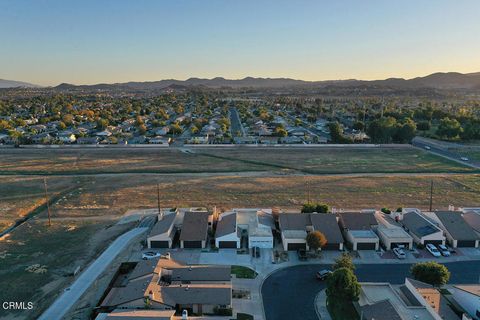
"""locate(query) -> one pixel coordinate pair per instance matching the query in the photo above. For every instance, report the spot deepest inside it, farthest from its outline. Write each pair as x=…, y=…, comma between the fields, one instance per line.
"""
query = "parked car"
x=323, y=274
x=150, y=255
x=444, y=250
x=433, y=250
x=302, y=254
x=464, y=159
x=427, y=148
x=399, y=253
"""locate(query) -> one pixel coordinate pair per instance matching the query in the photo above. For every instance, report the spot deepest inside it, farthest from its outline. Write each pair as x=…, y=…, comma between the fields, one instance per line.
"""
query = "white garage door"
x=261, y=242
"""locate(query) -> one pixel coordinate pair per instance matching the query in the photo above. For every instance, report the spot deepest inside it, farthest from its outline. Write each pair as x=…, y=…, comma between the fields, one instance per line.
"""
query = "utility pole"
x=158, y=198
x=431, y=195
x=46, y=201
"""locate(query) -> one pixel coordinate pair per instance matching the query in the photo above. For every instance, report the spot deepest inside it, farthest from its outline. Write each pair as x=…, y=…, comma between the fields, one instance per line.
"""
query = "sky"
x=48, y=42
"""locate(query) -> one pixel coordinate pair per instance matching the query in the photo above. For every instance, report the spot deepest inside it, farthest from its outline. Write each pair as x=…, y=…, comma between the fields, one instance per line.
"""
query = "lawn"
x=243, y=272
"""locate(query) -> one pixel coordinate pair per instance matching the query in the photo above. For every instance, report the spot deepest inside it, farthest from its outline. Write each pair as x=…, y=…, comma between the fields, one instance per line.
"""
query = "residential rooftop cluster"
x=367, y=229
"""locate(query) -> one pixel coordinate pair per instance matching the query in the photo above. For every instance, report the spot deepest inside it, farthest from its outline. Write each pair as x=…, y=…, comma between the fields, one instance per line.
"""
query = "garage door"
x=435, y=242
x=465, y=243
x=192, y=244
x=296, y=246
x=365, y=246
x=227, y=244
x=406, y=245
x=158, y=244
x=331, y=246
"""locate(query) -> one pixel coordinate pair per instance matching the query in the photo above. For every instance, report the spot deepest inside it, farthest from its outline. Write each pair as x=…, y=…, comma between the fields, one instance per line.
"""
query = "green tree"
x=359, y=125
x=102, y=124
x=406, y=131
x=431, y=272
x=342, y=287
x=316, y=240
x=280, y=132
x=4, y=125
x=449, y=128
x=315, y=207
x=382, y=130
x=424, y=125
x=344, y=261
x=176, y=129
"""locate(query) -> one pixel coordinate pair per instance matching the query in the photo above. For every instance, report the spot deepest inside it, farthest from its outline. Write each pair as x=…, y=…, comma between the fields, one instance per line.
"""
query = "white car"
x=444, y=250
x=464, y=158
x=150, y=255
x=399, y=253
x=433, y=250
x=427, y=148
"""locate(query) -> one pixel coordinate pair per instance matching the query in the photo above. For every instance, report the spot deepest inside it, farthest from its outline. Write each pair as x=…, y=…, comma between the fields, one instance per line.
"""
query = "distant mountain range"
x=15, y=84
x=449, y=80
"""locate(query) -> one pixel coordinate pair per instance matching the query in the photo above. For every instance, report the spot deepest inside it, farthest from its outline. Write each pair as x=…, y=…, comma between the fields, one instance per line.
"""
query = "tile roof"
x=472, y=289
x=129, y=314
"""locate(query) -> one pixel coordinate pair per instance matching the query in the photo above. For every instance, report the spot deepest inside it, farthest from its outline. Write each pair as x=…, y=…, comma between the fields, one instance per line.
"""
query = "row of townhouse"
x=364, y=230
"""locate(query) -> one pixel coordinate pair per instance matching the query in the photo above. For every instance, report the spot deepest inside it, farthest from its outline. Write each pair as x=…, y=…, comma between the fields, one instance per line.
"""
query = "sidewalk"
x=321, y=306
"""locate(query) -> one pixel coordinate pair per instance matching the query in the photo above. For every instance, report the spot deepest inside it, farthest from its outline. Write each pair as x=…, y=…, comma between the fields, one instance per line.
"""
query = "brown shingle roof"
x=358, y=220
x=456, y=225
x=226, y=225
x=327, y=224
x=201, y=273
x=194, y=227
x=294, y=221
x=380, y=310
x=473, y=220
x=163, y=225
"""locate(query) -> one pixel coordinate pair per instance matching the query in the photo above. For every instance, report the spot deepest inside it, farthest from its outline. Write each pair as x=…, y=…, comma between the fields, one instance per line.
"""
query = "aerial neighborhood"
x=206, y=263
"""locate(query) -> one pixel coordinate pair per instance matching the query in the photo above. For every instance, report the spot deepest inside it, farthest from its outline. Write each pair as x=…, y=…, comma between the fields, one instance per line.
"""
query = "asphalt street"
x=443, y=152
x=289, y=293
x=68, y=298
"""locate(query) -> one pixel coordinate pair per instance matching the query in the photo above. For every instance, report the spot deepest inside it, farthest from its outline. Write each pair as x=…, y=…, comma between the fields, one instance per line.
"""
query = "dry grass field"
x=160, y=160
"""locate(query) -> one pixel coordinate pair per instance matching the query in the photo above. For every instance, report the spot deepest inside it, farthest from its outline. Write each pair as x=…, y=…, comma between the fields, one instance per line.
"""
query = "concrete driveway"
x=68, y=298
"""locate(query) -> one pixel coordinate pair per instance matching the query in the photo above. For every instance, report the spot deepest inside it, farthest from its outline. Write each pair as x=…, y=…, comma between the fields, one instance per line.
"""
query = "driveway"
x=68, y=298
x=290, y=293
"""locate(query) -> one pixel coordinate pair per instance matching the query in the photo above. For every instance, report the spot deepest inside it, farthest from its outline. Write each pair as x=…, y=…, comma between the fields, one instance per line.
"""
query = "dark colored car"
x=323, y=274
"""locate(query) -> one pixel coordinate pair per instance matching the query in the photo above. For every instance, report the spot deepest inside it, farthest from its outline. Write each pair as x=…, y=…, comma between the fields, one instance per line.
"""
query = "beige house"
x=169, y=285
